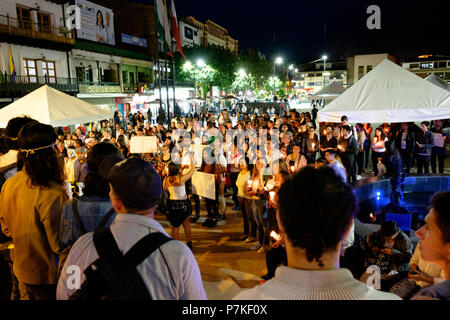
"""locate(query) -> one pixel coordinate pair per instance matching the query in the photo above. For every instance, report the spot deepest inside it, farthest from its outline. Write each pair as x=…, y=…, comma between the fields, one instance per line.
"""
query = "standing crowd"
x=83, y=199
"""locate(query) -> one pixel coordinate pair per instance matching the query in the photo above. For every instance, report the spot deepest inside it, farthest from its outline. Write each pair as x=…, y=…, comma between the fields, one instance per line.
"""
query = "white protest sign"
x=204, y=184
x=198, y=154
x=143, y=145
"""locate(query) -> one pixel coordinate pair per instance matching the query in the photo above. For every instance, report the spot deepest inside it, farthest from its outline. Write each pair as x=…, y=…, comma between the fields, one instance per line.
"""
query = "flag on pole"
x=175, y=30
x=162, y=26
x=12, y=67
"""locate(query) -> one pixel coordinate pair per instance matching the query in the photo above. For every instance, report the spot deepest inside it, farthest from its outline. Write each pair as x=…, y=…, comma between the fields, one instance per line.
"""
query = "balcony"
x=141, y=88
x=18, y=86
x=42, y=32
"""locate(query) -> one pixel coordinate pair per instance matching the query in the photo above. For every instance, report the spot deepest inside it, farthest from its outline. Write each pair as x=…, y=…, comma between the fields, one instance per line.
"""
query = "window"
x=132, y=77
x=310, y=75
x=24, y=18
x=447, y=76
x=369, y=68
x=426, y=65
x=80, y=74
x=414, y=66
x=44, y=22
x=318, y=74
x=319, y=83
x=125, y=76
x=195, y=33
x=188, y=33
x=360, y=72
x=48, y=69
x=310, y=84
x=30, y=70
x=440, y=64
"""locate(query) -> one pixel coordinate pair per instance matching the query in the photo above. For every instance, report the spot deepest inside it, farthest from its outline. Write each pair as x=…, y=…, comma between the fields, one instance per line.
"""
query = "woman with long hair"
x=378, y=148
x=31, y=203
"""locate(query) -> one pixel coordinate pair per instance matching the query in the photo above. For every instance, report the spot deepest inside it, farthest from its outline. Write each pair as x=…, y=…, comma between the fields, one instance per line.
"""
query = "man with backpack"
x=134, y=259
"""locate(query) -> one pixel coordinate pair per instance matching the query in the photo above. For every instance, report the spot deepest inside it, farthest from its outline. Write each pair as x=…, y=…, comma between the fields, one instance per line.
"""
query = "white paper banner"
x=204, y=185
x=143, y=145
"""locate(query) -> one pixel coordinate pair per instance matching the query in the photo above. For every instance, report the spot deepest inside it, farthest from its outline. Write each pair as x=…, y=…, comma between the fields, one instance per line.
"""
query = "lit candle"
x=313, y=145
x=292, y=168
x=340, y=147
x=275, y=236
x=324, y=132
x=272, y=195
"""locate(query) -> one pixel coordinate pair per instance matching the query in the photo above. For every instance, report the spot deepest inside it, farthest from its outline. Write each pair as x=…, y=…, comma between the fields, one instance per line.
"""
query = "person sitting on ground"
x=434, y=245
x=170, y=272
x=390, y=249
x=313, y=231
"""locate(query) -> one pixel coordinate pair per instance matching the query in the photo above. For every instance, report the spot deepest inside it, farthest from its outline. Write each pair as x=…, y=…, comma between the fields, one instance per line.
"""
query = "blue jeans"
x=258, y=212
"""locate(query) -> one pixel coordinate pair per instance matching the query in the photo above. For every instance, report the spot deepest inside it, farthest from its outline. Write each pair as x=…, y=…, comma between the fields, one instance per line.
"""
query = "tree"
x=257, y=65
x=243, y=82
x=222, y=60
x=203, y=75
x=273, y=85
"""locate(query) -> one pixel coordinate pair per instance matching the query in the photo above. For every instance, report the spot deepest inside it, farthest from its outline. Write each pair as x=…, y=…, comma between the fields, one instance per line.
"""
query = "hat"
x=133, y=180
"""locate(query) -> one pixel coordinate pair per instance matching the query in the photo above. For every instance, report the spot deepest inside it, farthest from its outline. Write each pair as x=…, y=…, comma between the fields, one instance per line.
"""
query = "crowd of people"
x=67, y=197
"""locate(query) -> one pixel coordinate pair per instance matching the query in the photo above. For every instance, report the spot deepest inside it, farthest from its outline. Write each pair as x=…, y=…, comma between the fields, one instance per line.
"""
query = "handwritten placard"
x=204, y=185
x=143, y=145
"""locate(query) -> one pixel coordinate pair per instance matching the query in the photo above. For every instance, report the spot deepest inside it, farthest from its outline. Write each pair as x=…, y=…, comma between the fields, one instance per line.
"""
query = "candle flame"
x=272, y=194
x=275, y=236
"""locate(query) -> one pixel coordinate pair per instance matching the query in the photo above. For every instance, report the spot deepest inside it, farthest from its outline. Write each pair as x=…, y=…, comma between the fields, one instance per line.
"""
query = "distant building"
x=194, y=32
x=359, y=65
x=312, y=78
x=428, y=64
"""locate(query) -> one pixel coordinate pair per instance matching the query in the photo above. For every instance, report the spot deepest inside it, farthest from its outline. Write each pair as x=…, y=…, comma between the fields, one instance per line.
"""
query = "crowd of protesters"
x=80, y=182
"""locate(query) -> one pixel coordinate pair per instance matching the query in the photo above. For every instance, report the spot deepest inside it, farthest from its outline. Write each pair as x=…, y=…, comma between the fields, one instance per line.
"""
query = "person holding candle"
x=310, y=145
x=243, y=183
x=378, y=148
x=328, y=141
x=296, y=160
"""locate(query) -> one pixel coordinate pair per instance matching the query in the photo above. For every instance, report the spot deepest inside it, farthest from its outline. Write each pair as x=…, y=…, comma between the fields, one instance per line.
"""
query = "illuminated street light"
x=200, y=63
x=279, y=61
x=324, y=58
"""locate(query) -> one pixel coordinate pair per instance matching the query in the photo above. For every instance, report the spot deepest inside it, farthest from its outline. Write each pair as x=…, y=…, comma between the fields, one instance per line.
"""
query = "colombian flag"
x=12, y=67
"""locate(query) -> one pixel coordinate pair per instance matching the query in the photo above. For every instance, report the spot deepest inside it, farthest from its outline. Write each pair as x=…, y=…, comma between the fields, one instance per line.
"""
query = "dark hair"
x=174, y=169
x=96, y=185
x=344, y=118
x=101, y=14
x=426, y=123
x=389, y=228
x=440, y=203
x=347, y=128
x=12, y=131
x=309, y=222
x=42, y=166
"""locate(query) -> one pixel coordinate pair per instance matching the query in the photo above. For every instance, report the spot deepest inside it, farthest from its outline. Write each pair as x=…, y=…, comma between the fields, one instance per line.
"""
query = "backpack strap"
x=76, y=215
x=106, y=245
x=105, y=219
x=144, y=248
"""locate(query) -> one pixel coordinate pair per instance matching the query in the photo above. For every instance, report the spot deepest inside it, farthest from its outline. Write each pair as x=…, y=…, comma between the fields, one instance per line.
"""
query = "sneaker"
x=221, y=217
x=261, y=250
x=358, y=177
x=249, y=239
x=266, y=277
x=206, y=222
x=212, y=223
x=194, y=219
x=255, y=246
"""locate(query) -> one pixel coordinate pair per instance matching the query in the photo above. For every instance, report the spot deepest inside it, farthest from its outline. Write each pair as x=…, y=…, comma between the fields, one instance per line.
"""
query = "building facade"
x=359, y=65
x=425, y=65
x=312, y=78
x=33, y=35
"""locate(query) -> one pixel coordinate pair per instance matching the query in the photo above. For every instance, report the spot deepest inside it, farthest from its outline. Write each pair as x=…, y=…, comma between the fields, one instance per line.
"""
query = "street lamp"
x=278, y=61
x=324, y=58
x=201, y=63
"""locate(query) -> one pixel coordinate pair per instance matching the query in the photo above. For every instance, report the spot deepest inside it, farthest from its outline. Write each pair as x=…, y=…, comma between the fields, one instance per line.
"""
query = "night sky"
x=296, y=29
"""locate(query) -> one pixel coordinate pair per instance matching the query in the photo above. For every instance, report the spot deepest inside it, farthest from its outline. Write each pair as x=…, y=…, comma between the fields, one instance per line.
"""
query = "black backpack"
x=114, y=276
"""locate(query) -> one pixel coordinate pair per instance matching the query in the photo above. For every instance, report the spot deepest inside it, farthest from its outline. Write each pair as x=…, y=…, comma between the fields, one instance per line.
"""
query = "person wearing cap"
x=31, y=203
x=171, y=272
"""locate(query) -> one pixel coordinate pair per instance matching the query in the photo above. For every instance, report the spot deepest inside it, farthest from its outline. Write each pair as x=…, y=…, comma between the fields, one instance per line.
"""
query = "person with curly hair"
x=313, y=232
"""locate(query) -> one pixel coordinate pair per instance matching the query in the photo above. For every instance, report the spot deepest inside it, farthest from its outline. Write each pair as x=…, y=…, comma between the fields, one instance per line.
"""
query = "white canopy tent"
x=438, y=81
x=389, y=93
x=53, y=107
x=330, y=92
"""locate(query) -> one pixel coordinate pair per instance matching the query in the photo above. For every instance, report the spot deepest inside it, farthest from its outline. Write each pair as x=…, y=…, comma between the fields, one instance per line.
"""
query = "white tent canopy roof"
x=331, y=91
x=389, y=93
x=438, y=81
x=53, y=107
